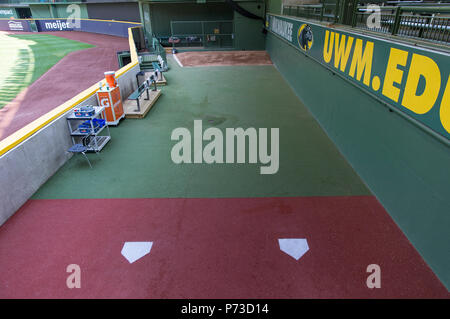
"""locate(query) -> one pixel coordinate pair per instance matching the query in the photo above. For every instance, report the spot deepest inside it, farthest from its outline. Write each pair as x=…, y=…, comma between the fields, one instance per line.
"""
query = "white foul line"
x=176, y=59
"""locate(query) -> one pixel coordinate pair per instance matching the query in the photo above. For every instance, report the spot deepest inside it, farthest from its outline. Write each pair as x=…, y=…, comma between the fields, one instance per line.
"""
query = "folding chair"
x=82, y=148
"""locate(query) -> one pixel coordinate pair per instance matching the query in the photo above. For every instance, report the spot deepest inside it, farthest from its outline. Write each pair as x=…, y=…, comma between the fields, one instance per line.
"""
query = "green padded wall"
x=405, y=167
x=248, y=32
x=7, y=12
x=162, y=14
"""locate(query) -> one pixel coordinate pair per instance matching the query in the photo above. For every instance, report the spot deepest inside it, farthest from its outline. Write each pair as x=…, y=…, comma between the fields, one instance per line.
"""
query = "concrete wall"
x=127, y=82
x=405, y=167
x=30, y=164
x=27, y=166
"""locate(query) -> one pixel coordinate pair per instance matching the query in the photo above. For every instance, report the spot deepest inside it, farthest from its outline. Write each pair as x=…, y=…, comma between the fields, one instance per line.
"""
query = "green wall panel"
x=162, y=14
x=40, y=11
x=405, y=167
x=248, y=32
x=144, y=9
x=54, y=11
x=6, y=13
x=61, y=11
x=274, y=6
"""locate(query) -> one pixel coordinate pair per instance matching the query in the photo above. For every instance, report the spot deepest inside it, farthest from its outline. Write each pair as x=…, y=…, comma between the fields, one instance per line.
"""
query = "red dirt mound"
x=217, y=58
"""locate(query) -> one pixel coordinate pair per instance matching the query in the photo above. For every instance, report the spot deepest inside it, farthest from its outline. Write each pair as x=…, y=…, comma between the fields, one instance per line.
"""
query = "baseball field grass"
x=25, y=57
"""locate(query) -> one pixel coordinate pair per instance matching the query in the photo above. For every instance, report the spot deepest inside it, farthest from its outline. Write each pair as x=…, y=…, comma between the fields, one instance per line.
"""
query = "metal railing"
x=148, y=49
x=427, y=23
x=320, y=12
x=208, y=34
x=159, y=49
x=430, y=23
x=387, y=18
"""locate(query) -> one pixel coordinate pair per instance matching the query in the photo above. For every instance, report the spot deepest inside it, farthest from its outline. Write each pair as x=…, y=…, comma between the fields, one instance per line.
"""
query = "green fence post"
x=355, y=11
x=396, y=25
x=203, y=35
x=421, y=30
x=336, y=11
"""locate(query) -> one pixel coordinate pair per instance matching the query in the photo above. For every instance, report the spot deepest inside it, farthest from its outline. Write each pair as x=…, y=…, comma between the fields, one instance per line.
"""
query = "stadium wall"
x=404, y=166
x=118, y=11
x=26, y=167
x=115, y=28
x=157, y=17
x=46, y=11
x=162, y=13
x=14, y=25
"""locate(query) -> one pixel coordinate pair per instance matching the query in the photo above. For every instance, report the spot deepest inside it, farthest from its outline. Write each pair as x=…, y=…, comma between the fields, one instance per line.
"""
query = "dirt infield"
x=70, y=76
x=217, y=58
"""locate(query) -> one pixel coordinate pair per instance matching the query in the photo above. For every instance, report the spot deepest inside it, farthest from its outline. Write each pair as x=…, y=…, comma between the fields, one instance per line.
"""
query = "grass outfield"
x=25, y=57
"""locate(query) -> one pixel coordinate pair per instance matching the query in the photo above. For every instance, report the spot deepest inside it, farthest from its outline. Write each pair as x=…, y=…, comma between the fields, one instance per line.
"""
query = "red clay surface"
x=218, y=58
x=210, y=248
x=71, y=75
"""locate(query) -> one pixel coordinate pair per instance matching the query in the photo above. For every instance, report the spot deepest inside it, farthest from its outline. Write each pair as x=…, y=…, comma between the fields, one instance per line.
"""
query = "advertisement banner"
x=54, y=25
x=96, y=26
x=414, y=80
x=14, y=25
x=7, y=13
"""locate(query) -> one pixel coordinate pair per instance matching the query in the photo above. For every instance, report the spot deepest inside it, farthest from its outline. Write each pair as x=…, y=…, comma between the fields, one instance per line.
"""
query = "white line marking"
x=176, y=59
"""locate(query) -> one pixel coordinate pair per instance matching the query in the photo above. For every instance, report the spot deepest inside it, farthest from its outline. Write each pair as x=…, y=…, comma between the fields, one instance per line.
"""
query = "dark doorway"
x=23, y=13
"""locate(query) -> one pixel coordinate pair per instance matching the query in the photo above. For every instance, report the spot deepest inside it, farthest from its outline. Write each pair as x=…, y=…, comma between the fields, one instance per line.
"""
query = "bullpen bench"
x=144, y=87
x=156, y=66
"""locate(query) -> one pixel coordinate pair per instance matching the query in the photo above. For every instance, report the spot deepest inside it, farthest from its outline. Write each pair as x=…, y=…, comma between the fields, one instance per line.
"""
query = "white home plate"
x=294, y=247
x=133, y=250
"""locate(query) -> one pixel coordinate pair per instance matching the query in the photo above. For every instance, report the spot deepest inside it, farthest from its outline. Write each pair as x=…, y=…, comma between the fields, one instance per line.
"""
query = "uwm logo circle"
x=305, y=37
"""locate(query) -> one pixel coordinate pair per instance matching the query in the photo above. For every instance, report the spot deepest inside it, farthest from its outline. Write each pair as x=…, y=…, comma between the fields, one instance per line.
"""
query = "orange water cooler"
x=109, y=97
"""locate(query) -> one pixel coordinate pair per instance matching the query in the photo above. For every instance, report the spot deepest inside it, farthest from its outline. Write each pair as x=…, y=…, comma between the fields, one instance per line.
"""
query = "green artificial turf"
x=25, y=57
x=137, y=161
